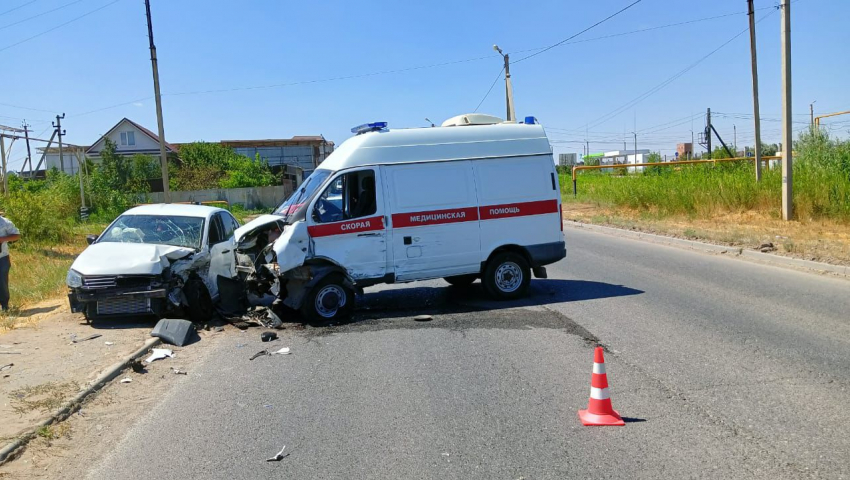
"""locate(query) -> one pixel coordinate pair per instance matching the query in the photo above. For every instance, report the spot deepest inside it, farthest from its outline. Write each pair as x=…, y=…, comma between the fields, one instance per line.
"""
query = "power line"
x=550, y=47
x=59, y=26
x=40, y=14
x=19, y=6
x=608, y=116
x=498, y=76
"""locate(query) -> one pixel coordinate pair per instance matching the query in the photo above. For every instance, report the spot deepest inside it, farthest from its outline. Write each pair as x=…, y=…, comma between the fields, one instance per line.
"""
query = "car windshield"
x=157, y=229
x=303, y=193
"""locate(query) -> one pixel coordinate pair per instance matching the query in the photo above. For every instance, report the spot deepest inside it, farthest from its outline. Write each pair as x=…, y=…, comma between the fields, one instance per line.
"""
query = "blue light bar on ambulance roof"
x=530, y=120
x=369, y=127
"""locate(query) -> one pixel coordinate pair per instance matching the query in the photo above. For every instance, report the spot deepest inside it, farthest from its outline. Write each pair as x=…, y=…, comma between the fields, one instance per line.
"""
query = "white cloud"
x=138, y=104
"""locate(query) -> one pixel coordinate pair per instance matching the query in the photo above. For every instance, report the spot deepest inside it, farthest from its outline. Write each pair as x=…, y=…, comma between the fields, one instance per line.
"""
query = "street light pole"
x=509, y=89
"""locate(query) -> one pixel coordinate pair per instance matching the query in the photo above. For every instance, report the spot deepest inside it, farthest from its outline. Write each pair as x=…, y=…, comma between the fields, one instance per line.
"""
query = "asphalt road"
x=722, y=368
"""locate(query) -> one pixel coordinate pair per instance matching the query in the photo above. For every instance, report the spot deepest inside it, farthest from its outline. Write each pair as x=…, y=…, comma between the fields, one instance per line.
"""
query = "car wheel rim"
x=508, y=277
x=329, y=300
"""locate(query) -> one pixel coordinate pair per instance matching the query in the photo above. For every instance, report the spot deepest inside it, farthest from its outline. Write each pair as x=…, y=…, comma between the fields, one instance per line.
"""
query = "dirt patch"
x=821, y=241
x=48, y=368
x=70, y=448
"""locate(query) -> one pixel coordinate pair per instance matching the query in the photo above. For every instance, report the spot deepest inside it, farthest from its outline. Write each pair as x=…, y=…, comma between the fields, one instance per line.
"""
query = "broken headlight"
x=74, y=279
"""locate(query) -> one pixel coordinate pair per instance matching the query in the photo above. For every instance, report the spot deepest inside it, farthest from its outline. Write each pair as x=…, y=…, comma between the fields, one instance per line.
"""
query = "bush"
x=211, y=165
x=45, y=210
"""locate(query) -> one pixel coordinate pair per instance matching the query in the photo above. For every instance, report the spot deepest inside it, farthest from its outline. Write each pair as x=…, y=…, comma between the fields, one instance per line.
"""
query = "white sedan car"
x=154, y=259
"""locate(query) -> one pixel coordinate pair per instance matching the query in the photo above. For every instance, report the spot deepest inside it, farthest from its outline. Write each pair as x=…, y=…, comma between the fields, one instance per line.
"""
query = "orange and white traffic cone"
x=599, y=410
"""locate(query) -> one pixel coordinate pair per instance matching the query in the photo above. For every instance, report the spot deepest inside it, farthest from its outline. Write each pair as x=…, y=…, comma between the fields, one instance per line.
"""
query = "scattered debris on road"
x=766, y=247
x=282, y=351
x=268, y=336
x=137, y=367
x=177, y=371
x=158, y=354
x=109, y=344
x=126, y=380
x=174, y=331
x=259, y=354
x=423, y=318
x=7, y=366
x=280, y=456
x=10, y=353
x=218, y=329
x=74, y=338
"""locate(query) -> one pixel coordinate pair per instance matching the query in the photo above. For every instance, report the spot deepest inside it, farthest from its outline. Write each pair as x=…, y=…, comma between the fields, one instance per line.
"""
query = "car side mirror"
x=91, y=239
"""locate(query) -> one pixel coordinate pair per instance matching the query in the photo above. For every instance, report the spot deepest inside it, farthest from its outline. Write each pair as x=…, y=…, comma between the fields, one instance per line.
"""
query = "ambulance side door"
x=346, y=223
x=435, y=230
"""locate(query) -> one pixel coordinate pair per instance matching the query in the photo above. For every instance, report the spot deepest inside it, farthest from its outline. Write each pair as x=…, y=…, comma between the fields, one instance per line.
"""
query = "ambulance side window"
x=349, y=196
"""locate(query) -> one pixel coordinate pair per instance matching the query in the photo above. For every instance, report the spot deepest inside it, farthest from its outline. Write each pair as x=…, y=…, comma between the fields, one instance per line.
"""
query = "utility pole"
x=636, y=160
x=735, y=138
x=3, y=166
x=787, y=138
x=58, y=126
x=509, y=89
x=756, y=115
x=163, y=159
x=708, y=131
x=812, y=113
x=29, y=153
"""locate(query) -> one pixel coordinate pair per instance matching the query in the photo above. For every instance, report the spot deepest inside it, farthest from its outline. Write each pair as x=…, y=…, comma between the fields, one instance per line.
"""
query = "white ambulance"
x=476, y=198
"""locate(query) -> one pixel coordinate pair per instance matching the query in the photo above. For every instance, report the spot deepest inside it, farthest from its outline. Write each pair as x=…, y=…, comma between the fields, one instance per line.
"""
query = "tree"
x=211, y=165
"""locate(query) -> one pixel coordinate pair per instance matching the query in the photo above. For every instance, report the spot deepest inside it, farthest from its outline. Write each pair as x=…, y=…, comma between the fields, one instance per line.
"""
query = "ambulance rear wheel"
x=507, y=276
x=461, y=280
x=329, y=300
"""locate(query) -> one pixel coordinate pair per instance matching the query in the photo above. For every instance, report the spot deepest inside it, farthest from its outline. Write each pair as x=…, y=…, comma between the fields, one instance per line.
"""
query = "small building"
x=684, y=150
x=625, y=157
x=567, y=159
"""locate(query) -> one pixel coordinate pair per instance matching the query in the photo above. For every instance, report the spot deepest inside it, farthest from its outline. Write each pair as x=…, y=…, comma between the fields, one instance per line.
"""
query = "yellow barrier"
x=663, y=164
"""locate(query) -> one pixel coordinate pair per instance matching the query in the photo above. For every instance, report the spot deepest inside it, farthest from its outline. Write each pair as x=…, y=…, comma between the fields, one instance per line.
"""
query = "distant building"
x=625, y=157
x=296, y=157
x=567, y=159
x=684, y=150
x=305, y=152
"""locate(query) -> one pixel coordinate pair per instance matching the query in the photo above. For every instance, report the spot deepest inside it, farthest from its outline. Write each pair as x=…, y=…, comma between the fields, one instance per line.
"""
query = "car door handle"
x=369, y=234
x=225, y=251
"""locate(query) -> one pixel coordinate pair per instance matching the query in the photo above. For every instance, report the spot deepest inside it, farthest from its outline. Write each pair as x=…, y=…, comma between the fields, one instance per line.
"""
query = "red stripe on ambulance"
x=519, y=209
x=434, y=217
x=350, y=226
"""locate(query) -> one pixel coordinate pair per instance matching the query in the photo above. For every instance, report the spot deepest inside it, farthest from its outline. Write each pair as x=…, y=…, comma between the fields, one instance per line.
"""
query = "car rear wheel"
x=507, y=276
x=329, y=300
x=200, y=303
x=461, y=280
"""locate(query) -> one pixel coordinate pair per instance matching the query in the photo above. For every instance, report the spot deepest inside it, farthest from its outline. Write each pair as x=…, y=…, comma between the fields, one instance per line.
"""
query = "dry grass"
x=38, y=274
x=46, y=397
x=818, y=240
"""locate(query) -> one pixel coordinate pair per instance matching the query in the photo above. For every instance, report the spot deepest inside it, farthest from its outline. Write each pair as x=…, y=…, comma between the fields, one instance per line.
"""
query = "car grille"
x=112, y=281
x=123, y=306
x=100, y=281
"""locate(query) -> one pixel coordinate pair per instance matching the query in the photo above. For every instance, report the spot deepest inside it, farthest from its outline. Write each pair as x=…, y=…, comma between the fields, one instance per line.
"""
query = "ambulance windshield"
x=304, y=192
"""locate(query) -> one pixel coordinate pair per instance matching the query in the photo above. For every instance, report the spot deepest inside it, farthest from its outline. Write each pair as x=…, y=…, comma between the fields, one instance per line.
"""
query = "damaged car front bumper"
x=104, y=302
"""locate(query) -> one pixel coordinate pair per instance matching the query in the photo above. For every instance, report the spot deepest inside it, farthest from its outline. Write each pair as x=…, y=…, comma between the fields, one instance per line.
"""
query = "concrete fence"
x=250, y=198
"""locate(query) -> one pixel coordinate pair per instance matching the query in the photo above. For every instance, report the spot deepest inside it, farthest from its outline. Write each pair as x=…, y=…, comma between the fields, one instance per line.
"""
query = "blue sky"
x=102, y=60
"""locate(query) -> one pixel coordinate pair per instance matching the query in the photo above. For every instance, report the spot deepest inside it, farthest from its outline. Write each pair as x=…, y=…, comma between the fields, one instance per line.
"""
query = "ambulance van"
x=475, y=198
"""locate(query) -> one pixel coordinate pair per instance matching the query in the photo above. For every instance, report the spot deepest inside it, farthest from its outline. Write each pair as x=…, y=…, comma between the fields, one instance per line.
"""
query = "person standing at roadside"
x=8, y=233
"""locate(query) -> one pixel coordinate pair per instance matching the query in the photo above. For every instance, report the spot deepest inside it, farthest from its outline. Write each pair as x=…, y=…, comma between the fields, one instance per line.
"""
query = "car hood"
x=255, y=224
x=114, y=258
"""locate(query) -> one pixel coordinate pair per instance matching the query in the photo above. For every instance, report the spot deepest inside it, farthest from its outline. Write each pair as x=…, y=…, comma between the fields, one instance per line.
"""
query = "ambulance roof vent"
x=369, y=127
x=472, y=119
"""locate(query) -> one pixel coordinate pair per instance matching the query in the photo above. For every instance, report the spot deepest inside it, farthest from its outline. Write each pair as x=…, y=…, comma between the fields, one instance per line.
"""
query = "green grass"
x=821, y=186
x=39, y=269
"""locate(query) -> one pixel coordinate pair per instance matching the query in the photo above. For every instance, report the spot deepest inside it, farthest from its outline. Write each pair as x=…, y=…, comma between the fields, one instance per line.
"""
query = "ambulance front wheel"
x=329, y=300
x=507, y=276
